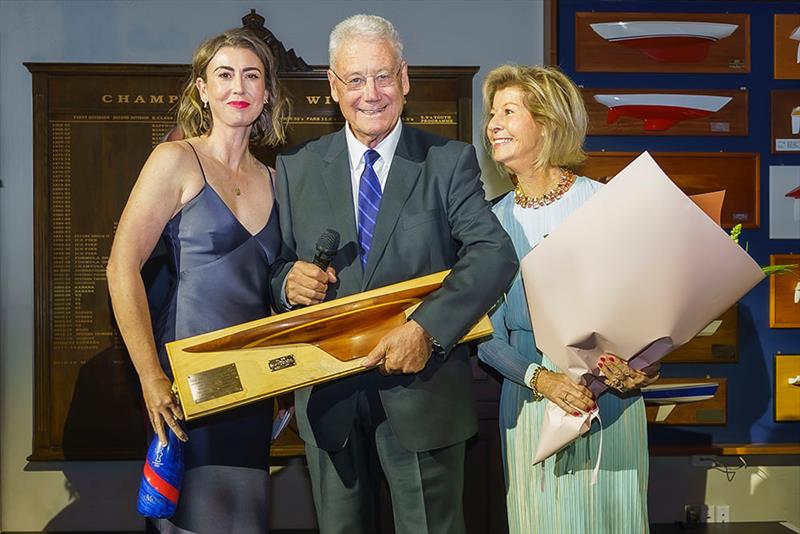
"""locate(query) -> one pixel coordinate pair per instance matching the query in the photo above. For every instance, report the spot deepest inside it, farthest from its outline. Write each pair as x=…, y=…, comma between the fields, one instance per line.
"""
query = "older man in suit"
x=406, y=203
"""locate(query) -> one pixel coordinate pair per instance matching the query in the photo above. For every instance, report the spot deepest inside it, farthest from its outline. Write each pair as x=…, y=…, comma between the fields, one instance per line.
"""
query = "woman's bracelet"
x=537, y=396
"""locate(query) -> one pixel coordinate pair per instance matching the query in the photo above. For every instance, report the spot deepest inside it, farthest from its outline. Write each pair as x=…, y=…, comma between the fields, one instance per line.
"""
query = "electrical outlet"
x=703, y=461
x=722, y=514
x=711, y=514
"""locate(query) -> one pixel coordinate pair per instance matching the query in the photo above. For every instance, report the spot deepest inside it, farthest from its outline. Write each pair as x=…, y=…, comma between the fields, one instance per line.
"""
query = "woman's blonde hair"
x=555, y=104
x=194, y=119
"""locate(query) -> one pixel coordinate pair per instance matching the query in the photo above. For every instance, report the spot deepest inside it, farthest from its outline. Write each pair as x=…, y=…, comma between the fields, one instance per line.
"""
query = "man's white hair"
x=366, y=26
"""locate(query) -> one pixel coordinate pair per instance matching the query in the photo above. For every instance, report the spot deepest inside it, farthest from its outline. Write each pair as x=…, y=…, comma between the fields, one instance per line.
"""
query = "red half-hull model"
x=660, y=111
x=666, y=41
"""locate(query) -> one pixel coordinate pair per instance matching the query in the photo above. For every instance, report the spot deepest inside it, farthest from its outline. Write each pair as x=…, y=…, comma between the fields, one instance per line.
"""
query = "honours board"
x=94, y=127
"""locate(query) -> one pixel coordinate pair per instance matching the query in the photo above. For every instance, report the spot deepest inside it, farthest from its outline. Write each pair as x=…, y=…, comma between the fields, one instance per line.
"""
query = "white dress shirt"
x=356, y=150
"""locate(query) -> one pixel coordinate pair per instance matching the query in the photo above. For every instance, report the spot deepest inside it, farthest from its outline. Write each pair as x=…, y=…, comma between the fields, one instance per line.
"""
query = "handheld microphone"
x=327, y=247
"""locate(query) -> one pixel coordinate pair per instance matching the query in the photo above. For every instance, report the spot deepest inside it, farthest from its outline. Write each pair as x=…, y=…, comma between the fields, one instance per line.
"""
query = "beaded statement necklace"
x=563, y=185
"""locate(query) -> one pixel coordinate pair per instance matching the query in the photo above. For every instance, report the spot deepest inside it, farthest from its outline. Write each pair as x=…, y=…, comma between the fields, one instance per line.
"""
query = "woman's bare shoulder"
x=171, y=153
x=173, y=169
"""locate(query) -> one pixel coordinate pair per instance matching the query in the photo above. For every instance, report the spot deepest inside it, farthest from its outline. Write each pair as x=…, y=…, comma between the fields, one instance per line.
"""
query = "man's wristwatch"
x=436, y=347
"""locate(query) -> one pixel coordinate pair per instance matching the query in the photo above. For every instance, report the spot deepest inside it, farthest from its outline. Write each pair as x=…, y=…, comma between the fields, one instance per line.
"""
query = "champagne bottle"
x=161, y=478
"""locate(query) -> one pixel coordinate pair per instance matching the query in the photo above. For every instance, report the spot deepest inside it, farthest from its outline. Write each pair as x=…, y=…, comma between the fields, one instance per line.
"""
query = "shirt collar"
x=385, y=148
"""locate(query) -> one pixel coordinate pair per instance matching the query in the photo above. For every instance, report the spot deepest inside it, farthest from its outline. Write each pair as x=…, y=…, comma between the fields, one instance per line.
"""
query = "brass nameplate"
x=215, y=383
x=276, y=364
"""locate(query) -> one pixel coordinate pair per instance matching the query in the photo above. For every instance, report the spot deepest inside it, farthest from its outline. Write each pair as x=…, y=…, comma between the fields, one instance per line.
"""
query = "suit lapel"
x=336, y=177
x=402, y=177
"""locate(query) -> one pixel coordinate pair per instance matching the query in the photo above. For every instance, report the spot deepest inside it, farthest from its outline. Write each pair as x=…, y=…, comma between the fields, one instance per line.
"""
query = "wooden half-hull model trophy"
x=267, y=357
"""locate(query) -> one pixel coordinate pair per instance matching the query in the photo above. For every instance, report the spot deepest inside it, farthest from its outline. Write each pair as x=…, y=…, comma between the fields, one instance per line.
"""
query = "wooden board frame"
x=713, y=412
x=787, y=396
x=720, y=347
x=698, y=172
x=95, y=114
x=783, y=311
x=594, y=54
x=784, y=120
x=730, y=120
x=784, y=209
x=785, y=57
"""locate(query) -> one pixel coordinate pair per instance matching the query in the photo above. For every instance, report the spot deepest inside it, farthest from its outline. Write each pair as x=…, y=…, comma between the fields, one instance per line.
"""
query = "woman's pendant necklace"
x=237, y=190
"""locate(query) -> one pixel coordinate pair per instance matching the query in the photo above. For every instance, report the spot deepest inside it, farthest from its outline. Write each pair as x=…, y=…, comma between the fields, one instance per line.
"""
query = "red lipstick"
x=239, y=104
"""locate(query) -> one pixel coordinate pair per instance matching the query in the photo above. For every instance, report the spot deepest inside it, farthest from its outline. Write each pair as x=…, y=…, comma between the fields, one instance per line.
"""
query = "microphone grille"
x=328, y=241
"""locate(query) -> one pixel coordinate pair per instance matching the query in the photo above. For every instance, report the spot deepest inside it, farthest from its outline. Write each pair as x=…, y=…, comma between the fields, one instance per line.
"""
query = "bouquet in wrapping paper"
x=637, y=271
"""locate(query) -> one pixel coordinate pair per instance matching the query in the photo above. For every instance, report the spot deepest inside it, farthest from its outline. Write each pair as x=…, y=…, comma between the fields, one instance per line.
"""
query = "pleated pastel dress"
x=219, y=277
x=557, y=497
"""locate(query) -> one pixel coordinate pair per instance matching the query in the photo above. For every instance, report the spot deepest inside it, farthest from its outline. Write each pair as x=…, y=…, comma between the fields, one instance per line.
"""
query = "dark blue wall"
x=750, y=381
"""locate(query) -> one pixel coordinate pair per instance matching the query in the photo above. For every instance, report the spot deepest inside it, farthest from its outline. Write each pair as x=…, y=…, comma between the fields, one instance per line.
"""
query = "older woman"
x=210, y=201
x=535, y=126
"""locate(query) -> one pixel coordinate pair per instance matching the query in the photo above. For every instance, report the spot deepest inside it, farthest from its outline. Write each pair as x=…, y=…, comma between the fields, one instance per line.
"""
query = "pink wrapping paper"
x=637, y=271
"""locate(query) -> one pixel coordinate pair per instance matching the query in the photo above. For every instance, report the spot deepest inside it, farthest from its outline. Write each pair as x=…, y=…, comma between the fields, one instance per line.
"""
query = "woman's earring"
x=205, y=104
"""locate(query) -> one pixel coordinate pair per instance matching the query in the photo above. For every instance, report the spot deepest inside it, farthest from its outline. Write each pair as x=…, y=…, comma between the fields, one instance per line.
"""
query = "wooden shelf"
x=726, y=449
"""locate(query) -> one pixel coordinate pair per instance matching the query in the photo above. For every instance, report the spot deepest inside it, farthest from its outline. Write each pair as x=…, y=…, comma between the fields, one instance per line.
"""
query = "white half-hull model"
x=679, y=393
x=666, y=41
x=660, y=111
x=667, y=396
x=796, y=36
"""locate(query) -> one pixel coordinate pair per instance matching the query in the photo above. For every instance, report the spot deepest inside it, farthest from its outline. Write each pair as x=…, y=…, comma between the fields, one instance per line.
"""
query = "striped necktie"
x=369, y=202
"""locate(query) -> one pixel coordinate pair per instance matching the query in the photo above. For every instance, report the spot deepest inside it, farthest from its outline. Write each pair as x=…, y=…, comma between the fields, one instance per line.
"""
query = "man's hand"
x=306, y=283
x=405, y=349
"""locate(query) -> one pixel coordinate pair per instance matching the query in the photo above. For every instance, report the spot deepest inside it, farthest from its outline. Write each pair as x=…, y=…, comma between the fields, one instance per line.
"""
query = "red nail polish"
x=612, y=358
x=602, y=358
x=600, y=365
x=577, y=414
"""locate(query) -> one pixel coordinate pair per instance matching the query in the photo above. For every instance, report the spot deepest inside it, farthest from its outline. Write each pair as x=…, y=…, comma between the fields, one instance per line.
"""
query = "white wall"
x=100, y=495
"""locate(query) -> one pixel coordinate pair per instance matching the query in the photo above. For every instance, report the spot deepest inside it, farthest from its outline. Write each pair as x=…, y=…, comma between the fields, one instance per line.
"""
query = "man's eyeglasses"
x=382, y=79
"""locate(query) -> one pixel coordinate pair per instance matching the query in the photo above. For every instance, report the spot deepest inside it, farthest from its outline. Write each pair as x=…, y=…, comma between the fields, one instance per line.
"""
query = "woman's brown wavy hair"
x=269, y=128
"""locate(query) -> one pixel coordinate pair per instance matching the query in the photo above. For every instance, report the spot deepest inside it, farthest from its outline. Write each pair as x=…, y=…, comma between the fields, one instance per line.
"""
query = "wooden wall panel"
x=731, y=119
x=708, y=412
x=785, y=122
x=698, y=172
x=787, y=396
x=784, y=312
x=787, y=66
x=594, y=54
